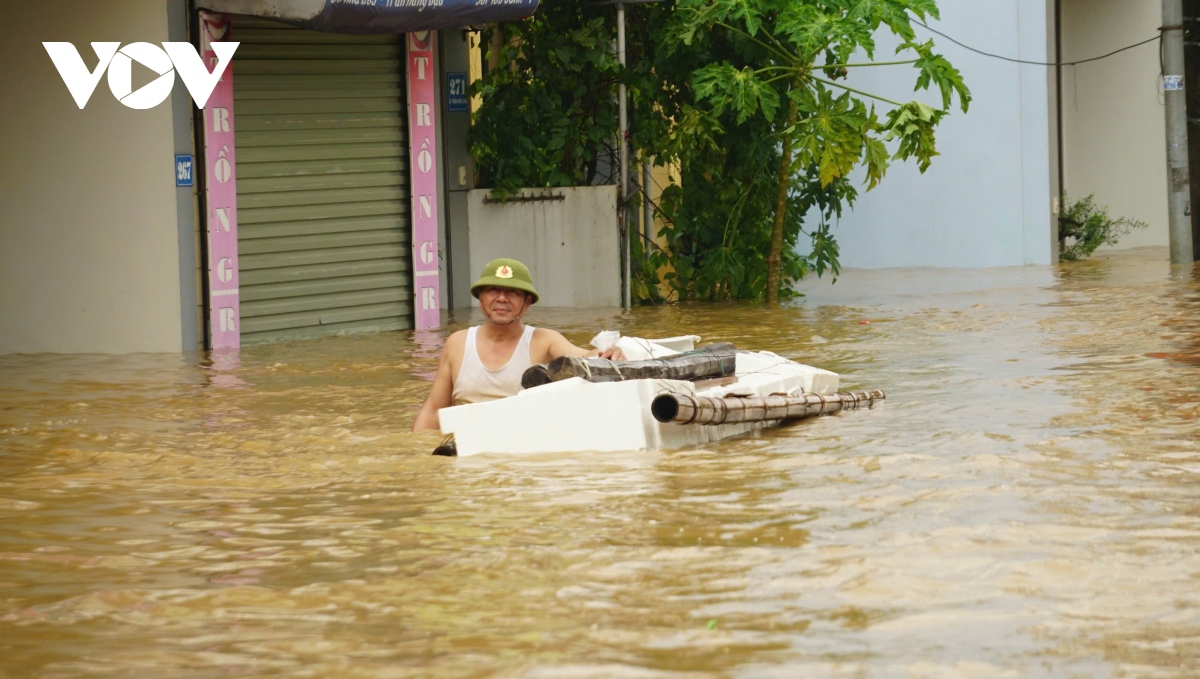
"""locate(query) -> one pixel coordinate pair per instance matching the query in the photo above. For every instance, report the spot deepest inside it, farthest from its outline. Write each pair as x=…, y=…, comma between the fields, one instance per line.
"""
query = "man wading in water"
x=486, y=362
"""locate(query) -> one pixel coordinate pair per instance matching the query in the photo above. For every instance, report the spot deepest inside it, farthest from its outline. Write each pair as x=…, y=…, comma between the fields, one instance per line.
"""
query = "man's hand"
x=612, y=353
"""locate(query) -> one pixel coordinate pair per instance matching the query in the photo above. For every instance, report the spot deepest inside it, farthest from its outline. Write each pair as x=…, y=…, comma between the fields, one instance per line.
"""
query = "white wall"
x=1114, y=125
x=89, y=244
x=986, y=201
x=571, y=246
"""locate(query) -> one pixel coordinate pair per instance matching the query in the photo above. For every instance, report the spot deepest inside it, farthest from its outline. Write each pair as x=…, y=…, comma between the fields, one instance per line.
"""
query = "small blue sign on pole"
x=184, y=175
x=456, y=92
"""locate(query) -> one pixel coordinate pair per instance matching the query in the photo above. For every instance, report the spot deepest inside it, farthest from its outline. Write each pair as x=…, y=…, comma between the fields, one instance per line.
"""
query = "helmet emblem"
x=504, y=272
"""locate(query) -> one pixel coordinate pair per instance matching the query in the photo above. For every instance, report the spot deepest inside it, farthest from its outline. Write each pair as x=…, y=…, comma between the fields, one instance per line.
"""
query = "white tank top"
x=476, y=383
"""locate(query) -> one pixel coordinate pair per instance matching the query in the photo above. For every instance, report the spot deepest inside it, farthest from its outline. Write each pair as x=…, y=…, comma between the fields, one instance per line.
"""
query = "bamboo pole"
x=684, y=409
x=713, y=360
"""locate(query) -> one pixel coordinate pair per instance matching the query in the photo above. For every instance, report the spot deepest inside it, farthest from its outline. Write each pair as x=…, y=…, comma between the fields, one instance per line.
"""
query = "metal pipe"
x=1191, y=59
x=623, y=193
x=195, y=28
x=685, y=409
x=1060, y=196
x=1178, y=184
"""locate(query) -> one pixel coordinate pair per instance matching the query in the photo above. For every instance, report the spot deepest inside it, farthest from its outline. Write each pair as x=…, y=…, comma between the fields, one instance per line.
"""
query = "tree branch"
x=871, y=63
x=760, y=43
x=785, y=76
x=856, y=91
x=781, y=46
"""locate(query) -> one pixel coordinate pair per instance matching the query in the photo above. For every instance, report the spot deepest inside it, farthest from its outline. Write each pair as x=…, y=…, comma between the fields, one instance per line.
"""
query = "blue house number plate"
x=456, y=92
x=184, y=175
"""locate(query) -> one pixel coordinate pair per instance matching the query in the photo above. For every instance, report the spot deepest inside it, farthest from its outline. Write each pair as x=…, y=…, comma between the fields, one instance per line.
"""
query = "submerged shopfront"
x=335, y=221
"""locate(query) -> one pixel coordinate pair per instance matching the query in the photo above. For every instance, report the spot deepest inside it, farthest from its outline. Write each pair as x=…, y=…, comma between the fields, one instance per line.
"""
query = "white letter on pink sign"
x=422, y=155
x=225, y=270
x=220, y=120
x=222, y=214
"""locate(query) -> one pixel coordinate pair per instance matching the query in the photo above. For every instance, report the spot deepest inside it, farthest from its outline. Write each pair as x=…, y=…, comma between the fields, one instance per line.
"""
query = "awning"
x=378, y=16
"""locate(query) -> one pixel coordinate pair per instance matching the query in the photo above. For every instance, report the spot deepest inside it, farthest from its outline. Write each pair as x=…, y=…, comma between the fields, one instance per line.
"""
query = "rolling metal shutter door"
x=323, y=198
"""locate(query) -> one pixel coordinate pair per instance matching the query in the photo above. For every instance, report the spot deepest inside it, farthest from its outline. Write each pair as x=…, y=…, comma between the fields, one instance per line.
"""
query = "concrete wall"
x=1114, y=127
x=571, y=246
x=89, y=217
x=986, y=201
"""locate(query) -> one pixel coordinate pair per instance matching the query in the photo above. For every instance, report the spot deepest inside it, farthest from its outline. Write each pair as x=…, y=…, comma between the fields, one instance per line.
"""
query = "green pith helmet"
x=505, y=273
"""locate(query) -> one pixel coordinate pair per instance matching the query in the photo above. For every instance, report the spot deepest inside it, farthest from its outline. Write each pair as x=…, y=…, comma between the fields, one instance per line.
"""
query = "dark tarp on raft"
x=379, y=16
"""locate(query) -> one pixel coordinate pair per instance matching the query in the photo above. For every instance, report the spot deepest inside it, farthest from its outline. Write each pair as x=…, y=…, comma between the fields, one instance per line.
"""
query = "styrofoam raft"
x=575, y=415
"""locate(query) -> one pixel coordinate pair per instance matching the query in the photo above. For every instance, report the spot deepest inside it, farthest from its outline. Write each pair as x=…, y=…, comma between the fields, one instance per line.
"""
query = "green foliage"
x=549, y=113
x=912, y=125
x=644, y=265
x=717, y=238
x=1083, y=227
x=743, y=97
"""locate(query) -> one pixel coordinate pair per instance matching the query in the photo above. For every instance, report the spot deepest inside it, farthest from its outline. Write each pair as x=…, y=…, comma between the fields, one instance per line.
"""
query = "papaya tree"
x=785, y=71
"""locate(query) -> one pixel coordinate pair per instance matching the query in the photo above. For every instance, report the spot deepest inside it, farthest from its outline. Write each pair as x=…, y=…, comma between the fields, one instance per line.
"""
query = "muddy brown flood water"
x=1026, y=504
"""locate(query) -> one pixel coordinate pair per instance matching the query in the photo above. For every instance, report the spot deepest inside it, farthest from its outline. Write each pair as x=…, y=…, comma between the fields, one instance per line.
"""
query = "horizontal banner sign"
x=379, y=16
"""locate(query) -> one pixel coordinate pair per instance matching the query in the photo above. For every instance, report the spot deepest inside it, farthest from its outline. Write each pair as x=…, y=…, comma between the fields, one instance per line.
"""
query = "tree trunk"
x=775, y=253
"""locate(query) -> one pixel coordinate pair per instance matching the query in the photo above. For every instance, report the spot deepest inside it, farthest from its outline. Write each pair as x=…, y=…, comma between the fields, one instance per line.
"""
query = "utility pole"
x=624, y=220
x=1191, y=60
x=623, y=193
x=1174, y=94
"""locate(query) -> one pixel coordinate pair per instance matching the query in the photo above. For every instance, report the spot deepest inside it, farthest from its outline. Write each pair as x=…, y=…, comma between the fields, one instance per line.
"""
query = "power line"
x=1044, y=63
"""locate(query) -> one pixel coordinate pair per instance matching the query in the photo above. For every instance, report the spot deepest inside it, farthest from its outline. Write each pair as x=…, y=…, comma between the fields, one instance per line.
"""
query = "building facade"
x=991, y=198
x=98, y=243
x=314, y=202
x=1113, y=117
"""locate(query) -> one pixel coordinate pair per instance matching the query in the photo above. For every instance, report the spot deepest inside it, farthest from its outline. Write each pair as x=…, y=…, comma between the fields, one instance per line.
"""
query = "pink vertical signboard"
x=220, y=192
x=422, y=152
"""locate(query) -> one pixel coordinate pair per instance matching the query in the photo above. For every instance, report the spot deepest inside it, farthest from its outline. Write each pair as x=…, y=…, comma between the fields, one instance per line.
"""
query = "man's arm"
x=561, y=346
x=441, y=395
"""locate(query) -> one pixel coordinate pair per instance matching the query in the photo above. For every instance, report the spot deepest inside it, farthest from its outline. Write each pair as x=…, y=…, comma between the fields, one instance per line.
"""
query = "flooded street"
x=1025, y=504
